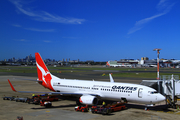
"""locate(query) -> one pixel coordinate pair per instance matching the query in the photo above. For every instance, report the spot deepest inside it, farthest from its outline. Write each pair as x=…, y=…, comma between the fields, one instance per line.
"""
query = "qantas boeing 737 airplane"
x=90, y=92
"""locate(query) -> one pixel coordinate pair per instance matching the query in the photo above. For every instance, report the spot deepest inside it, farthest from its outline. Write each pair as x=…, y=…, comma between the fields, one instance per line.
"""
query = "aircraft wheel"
x=104, y=112
x=92, y=110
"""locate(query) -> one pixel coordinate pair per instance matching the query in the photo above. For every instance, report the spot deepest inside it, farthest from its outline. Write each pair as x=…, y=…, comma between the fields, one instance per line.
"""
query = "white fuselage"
x=109, y=90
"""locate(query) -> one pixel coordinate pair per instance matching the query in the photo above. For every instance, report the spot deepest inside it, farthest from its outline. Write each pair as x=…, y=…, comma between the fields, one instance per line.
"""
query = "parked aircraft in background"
x=118, y=65
x=90, y=92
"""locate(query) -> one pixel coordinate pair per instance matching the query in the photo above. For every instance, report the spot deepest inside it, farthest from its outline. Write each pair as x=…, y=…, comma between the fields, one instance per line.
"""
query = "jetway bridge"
x=168, y=85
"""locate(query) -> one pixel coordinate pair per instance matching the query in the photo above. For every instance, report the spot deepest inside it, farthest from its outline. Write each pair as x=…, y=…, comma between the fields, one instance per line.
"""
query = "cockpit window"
x=153, y=92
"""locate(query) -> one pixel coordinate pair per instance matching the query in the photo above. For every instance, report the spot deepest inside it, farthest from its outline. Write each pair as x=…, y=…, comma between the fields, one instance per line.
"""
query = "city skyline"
x=90, y=30
x=69, y=59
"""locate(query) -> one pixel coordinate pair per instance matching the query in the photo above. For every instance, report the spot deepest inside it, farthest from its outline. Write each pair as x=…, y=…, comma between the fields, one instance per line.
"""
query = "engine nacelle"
x=88, y=100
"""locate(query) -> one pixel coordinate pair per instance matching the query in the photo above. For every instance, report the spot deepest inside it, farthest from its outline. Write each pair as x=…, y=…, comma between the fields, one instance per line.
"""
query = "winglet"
x=111, y=78
x=11, y=86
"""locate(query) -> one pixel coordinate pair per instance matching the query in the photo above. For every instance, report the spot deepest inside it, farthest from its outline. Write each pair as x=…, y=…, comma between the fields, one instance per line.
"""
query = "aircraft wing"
x=54, y=93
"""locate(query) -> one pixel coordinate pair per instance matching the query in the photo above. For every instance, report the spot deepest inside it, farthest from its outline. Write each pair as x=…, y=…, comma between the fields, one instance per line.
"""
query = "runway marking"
x=170, y=112
x=178, y=113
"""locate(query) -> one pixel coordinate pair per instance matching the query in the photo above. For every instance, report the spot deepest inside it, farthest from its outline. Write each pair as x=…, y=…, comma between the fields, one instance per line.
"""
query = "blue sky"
x=99, y=30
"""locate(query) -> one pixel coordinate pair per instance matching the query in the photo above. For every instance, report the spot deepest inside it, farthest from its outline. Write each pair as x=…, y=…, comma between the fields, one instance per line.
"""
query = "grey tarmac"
x=64, y=109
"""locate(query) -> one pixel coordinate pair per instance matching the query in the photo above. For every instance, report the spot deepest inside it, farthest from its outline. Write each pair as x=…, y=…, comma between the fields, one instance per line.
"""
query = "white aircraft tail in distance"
x=90, y=92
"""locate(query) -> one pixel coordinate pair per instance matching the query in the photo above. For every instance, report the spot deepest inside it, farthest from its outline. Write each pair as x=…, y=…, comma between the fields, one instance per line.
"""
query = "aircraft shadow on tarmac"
x=163, y=108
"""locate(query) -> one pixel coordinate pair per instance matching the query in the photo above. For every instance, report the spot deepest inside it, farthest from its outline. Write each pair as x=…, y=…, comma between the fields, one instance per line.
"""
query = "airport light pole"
x=156, y=49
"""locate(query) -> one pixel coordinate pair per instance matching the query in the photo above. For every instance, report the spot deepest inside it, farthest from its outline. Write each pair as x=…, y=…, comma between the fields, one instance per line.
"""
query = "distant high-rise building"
x=144, y=58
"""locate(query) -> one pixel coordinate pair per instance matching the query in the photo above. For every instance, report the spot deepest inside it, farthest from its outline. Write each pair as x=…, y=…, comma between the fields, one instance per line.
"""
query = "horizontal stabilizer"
x=11, y=86
x=24, y=91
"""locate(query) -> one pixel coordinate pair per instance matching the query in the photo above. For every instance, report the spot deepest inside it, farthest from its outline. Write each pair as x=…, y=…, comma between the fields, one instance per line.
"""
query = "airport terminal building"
x=144, y=62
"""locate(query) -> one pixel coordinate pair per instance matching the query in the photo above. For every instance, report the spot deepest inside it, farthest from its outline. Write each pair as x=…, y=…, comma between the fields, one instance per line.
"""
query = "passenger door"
x=140, y=92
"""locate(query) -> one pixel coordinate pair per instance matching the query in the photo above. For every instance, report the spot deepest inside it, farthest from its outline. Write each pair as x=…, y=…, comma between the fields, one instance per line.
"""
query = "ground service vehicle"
x=8, y=98
x=101, y=110
x=21, y=99
x=19, y=118
x=82, y=108
x=45, y=103
x=52, y=98
x=36, y=99
x=117, y=107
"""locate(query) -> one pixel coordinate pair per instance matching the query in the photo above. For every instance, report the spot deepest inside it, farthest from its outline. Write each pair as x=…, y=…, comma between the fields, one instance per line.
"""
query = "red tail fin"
x=43, y=72
x=107, y=63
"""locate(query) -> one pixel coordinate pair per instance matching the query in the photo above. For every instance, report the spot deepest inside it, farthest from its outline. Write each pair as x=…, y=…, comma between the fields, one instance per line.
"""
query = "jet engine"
x=88, y=100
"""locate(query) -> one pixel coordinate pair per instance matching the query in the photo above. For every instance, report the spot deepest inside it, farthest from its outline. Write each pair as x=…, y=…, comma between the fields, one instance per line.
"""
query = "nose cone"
x=160, y=98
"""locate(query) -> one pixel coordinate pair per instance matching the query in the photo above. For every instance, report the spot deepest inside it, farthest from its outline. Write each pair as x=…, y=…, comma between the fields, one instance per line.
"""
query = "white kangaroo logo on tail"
x=43, y=72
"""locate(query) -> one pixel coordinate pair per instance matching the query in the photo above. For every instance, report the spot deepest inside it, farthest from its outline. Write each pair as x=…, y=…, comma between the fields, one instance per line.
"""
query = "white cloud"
x=70, y=37
x=34, y=29
x=47, y=41
x=24, y=40
x=21, y=40
x=45, y=16
x=163, y=6
x=140, y=24
x=40, y=30
x=16, y=25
